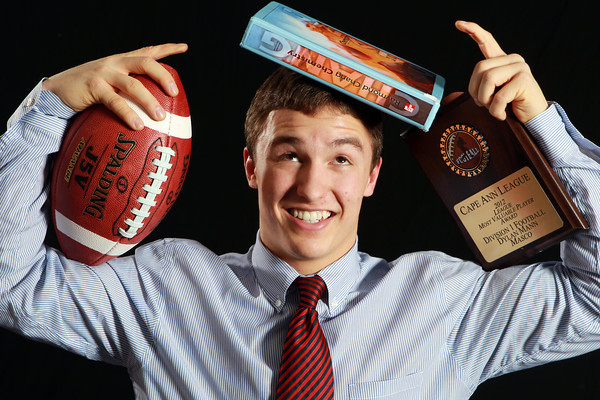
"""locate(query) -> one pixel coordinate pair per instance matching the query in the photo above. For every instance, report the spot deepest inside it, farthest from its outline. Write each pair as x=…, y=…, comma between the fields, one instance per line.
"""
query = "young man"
x=188, y=323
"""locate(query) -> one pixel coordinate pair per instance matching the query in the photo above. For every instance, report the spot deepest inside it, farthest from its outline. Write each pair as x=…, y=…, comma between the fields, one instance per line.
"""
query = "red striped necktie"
x=305, y=371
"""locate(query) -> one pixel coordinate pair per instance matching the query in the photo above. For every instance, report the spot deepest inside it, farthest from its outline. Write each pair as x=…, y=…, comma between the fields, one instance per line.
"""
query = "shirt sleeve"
x=522, y=316
x=576, y=161
x=35, y=132
x=98, y=312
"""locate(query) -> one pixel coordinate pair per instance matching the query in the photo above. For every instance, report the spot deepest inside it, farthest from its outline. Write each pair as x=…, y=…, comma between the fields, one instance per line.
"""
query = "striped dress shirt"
x=190, y=324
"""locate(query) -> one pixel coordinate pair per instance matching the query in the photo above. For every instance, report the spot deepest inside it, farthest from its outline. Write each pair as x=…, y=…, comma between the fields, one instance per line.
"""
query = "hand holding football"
x=112, y=185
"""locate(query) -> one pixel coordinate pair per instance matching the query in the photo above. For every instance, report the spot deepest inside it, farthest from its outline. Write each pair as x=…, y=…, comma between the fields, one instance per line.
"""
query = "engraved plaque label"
x=508, y=215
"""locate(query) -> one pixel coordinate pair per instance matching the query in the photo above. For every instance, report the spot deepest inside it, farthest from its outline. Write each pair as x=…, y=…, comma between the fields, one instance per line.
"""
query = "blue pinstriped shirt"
x=191, y=324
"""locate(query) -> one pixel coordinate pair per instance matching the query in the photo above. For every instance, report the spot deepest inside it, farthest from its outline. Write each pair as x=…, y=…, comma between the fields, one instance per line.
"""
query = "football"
x=111, y=186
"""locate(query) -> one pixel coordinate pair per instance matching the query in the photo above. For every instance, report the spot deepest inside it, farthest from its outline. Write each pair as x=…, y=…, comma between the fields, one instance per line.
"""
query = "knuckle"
x=142, y=51
x=480, y=66
x=497, y=108
x=486, y=34
x=146, y=51
x=117, y=104
x=516, y=58
x=473, y=91
x=488, y=76
x=526, y=69
x=145, y=62
x=501, y=98
x=95, y=83
x=131, y=85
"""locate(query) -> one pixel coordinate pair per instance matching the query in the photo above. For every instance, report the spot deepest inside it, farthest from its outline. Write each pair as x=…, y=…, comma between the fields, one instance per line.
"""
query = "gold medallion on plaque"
x=464, y=150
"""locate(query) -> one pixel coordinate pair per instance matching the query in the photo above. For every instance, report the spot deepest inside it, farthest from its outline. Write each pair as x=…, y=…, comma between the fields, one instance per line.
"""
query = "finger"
x=152, y=68
x=160, y=51
x=486, y=42
x=106, y=95
x=144, y=61
x=490, y=74
x=506, y=95
x=137, y=92
x=524, y=95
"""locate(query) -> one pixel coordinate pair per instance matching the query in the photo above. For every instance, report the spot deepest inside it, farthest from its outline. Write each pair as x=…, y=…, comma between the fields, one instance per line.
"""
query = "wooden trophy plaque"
x=505, y=198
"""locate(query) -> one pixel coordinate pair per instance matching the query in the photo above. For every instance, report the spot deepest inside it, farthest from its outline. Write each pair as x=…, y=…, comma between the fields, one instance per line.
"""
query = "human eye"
x=290, y=156
x=341, y=160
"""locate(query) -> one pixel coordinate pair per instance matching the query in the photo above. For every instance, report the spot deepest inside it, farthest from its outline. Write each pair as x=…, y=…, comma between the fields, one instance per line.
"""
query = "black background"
x=557, y=38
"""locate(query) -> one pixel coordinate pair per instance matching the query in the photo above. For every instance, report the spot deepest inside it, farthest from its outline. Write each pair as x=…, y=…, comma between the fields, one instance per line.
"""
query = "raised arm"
x=522, y=316
x=42, y=294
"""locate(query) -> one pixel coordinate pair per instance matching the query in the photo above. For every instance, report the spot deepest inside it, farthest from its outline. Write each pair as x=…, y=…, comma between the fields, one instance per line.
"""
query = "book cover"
x=376, y=77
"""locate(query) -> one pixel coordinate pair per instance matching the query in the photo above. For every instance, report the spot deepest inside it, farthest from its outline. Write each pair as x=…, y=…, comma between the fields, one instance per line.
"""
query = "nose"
x=312, y=182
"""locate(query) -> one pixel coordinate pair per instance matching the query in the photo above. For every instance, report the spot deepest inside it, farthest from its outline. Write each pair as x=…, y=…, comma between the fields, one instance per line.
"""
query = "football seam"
x=158, y=177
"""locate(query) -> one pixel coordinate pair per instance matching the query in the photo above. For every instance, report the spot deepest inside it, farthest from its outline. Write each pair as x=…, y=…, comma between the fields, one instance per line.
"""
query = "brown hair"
x=286, y=89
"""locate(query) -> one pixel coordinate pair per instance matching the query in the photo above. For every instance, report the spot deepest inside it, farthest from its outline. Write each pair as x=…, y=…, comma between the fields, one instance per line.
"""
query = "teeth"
x=312, y=217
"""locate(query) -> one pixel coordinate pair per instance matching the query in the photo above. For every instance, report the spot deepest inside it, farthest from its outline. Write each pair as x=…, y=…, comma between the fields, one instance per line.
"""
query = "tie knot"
x=311, y=289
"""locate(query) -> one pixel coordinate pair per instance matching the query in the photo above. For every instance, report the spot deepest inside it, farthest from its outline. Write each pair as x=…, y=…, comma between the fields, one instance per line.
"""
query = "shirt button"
x=334, y=303
x=30, y=102
x=277, y=303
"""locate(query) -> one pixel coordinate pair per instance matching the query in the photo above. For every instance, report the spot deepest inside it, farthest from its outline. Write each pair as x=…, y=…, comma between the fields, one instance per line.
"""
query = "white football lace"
x=158, y=177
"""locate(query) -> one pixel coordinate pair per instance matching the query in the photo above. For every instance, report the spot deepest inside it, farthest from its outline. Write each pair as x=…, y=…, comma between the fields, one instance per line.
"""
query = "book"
x=393, y=85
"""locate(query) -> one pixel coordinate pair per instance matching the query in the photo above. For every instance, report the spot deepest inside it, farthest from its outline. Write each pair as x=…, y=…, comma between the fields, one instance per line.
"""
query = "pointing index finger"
x=160, y=51
x=487, y=44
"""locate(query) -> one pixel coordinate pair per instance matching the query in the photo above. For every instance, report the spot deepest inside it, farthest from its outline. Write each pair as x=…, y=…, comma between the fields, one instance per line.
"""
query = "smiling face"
x=311, y=173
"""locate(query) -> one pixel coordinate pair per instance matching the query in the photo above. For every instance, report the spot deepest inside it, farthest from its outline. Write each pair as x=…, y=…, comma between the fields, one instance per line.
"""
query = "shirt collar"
x=275, y=276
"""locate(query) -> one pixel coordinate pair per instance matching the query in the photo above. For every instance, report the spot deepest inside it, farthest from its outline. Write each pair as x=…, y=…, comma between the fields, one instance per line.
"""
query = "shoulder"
x=435, y=262
x=424, y=270
x=170, y=252
x=186, y=260
x=454, y=281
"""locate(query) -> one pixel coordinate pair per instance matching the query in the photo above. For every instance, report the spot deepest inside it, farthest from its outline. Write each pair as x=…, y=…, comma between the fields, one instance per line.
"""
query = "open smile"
x=312, y=217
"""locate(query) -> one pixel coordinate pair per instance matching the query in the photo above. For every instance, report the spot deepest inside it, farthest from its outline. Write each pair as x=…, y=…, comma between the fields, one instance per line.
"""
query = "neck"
x=308, y=267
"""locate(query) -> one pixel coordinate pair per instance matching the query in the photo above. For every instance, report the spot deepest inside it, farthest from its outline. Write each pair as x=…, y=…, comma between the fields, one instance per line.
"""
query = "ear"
x=249, y=167
x=373, y=179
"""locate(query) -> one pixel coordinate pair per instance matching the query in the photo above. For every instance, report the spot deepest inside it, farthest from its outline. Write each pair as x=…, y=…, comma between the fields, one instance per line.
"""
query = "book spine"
x=310, y=61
